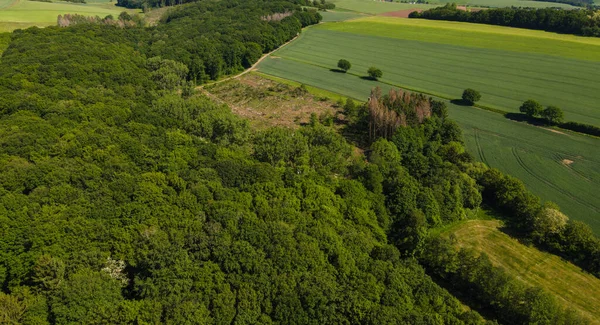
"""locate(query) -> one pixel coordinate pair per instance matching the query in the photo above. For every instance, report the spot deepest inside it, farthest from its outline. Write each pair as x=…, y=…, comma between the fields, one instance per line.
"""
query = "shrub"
x=470, y=96
x=374, y=73
x=344, y=65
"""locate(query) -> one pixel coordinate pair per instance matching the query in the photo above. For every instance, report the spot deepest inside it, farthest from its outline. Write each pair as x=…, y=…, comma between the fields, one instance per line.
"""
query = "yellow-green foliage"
x=474, y=35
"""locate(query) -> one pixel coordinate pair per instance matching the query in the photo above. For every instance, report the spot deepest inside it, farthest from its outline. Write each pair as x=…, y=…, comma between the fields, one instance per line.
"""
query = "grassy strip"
x=571, y=286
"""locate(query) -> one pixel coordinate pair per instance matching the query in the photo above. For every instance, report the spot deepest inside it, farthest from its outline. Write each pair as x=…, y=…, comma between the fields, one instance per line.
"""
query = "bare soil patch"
x=567, y=162
x=555, y=131
x=400, y=13
x=266, y=103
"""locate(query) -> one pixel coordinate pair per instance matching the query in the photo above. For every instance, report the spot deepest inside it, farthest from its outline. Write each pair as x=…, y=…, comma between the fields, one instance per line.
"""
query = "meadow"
x=539, y=157
x=16, y=14
x=569, y=285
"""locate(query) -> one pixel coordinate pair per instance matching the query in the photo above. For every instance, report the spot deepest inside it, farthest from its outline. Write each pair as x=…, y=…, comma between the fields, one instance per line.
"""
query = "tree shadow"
x=524, y=118
x=337, y=70
x=461, y=102
x=368, y=78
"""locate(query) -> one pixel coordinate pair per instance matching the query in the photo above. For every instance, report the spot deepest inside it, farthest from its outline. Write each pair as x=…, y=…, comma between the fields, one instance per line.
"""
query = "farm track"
x=479, y=148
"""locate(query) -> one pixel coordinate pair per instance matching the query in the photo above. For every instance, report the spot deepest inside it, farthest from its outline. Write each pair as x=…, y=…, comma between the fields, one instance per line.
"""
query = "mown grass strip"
x=571, y=286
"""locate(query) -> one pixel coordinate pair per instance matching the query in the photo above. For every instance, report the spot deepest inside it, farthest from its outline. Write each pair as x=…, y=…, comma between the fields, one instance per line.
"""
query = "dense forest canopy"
x=578, y=22
x=125, y=198
x=122, y=202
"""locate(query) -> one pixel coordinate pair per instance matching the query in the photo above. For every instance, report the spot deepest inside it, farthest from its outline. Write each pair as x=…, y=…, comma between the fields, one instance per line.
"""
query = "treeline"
x=215, y=38
x=491, y=288
x=228, y=36
x=578, y=22
x=126, y=200
x=149, y=4
x=552, y=115
x=577, y=3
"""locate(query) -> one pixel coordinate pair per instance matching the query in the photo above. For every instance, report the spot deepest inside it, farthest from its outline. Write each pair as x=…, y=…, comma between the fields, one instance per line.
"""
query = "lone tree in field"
x=531, y=108
x=344, y=65
x=553, y=115
x=470, y=96
x=374, y=73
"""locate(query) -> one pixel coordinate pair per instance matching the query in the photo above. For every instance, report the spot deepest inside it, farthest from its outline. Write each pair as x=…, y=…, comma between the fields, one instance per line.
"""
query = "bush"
x=344, y=65
x=531, y=108
x=374, y=73
x=553, y=115
x=470, y=96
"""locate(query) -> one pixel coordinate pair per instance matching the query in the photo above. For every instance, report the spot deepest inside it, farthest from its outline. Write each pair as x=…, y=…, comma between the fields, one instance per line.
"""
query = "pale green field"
x=378, y=7
x=333, y=15
x=571, y=287
x=22, y=13
x=474, y=35
x=508, y=3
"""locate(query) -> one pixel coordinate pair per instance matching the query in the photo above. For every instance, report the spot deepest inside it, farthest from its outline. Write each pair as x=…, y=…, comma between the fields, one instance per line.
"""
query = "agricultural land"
x=507, y=65
x=565, y=281
x=15, y=14
x=379, y=7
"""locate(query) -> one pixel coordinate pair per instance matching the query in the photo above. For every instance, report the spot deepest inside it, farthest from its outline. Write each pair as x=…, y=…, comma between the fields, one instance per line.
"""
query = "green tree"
x=553, y=115
x=470, y=96
x=374, y=73
x=531, y=108
x=344, y=65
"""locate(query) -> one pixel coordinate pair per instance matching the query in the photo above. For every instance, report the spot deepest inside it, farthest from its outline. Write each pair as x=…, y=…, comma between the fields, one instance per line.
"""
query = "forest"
x=579, y=22
x=128, y=198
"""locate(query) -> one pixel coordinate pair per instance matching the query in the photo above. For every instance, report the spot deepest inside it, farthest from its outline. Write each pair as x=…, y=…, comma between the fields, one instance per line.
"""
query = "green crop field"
x=538, y=156
x=569, y=285
x=22, y=13
x=505, y=78
x=378, y=7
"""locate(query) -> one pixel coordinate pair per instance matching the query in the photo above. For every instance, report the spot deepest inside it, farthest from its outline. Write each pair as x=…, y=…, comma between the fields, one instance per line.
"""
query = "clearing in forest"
x=571, y=286
x=267, y=103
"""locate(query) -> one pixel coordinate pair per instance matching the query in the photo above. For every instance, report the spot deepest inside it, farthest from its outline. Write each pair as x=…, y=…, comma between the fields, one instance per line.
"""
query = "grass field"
x=534, y=155
x=23, y=13
x=570, y=286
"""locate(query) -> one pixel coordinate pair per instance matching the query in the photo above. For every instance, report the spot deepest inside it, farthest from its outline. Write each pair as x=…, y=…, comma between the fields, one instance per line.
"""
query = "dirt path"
x=253, y=67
